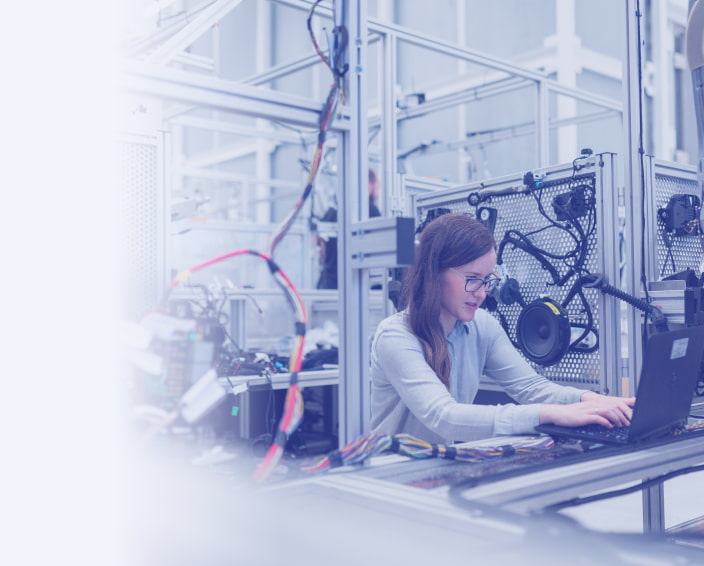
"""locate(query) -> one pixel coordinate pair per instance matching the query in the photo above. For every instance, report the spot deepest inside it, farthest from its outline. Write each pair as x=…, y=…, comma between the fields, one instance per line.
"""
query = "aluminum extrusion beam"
x=389, y=128
x=291, y=67
x=382, y=242
x=467, y=54
x=500, y=86
x=198, y=173
x=441, y=198
x=470, y=94
x=354, y=389
x=206, y=18
x=633, y=171
x=503, y=86
x=694, y=41
x=237, y=129
x=433, y=44
x=238, y=384
x=603, y=101
x=197, y=61
x=531, y=492
x=282, y=70
x=528, y=128
x=191, y=88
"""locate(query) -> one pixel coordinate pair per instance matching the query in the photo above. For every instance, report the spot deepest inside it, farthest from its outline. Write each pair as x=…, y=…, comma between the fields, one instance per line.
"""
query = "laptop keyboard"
x=619, y=434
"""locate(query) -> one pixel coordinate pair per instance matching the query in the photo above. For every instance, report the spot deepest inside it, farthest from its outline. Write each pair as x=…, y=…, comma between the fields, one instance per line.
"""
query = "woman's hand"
x=593, y=408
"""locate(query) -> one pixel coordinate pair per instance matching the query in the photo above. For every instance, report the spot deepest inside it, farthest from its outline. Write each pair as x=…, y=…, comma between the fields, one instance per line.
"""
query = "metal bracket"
x=382, y=242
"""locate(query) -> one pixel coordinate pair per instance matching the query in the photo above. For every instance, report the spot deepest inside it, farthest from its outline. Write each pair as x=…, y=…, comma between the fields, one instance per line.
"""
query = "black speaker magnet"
x=543, y=332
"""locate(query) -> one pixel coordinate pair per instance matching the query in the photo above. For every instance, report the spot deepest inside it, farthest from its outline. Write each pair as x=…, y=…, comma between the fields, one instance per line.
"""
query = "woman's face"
x=456, y=303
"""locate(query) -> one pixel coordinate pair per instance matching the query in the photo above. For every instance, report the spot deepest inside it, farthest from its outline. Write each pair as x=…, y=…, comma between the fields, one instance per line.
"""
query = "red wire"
x=191, y=270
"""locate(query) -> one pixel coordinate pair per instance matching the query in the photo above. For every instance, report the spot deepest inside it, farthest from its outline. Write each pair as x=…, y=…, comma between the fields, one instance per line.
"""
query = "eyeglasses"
x=473, y=284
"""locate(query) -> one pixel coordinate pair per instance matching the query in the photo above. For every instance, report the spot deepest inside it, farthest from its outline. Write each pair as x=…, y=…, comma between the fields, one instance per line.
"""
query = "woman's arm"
x=560, y=404
x=398, y=362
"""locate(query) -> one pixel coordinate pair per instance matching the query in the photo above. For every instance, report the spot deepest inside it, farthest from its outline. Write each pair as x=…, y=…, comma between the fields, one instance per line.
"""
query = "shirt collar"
x=459, y=329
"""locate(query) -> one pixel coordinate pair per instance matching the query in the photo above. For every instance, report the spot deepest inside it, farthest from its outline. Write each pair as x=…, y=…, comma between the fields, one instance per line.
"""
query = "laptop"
x=671, y=369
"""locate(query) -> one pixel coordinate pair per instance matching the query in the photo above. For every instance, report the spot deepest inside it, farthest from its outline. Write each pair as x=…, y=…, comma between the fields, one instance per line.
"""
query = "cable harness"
x=366, y=447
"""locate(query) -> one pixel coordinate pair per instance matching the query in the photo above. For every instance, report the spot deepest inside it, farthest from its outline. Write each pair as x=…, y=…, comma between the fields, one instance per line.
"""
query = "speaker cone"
x=543, y=332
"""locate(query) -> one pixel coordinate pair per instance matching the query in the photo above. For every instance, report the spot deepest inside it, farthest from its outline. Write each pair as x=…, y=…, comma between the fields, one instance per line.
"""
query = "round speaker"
x=543, y=332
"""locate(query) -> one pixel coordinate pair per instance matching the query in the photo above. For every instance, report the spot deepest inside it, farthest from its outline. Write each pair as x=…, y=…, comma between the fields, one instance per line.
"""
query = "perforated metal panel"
x=664, y=181
x=519, y=212
x=665, y=252
x=142, y=238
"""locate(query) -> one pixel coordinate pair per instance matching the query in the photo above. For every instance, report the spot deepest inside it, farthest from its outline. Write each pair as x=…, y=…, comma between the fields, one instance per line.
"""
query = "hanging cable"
x=293, y=405
x=324, y=122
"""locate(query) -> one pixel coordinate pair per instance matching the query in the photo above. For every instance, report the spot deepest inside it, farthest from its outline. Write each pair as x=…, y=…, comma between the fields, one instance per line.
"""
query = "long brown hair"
x=451, y=240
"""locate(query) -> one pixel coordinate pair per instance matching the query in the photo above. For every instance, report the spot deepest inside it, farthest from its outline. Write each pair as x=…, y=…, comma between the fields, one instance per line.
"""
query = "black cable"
x=581, y=239
x=641, y=153
x=504, y=324
x=669, y=255
x=531, y=250
x=618, y=492
x=325, y=60
x=655, y=314
x=588, y=327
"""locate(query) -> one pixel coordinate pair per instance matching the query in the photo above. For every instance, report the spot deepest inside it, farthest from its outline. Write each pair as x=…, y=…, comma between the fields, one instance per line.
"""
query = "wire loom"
x=293, y=404
x=375, y=444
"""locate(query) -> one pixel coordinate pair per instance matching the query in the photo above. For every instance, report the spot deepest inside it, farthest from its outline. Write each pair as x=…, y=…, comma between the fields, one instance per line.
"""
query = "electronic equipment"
x=682, y=304
x=487, y=216
x=431, y=215
x=668, y=378
x=570, y=205
x=543, y=332
x=681, y=215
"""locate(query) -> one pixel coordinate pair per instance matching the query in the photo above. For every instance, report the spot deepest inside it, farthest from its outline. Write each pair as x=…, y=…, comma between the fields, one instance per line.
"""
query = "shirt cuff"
x=517, y=419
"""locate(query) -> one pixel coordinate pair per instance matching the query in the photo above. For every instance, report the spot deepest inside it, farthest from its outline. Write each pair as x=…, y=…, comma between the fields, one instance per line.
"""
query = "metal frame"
x=200, y=90
x=522, y=494
x=462, y=92
x=195, y=89
x=661, y=179
x=694, y=40
x=354, y=390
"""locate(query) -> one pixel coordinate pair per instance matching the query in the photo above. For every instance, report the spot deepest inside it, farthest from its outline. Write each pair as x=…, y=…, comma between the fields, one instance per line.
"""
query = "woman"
x=427, y=359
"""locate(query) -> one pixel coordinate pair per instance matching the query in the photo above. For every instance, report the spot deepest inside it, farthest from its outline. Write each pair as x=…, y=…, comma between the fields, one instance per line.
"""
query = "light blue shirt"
x=408, y=397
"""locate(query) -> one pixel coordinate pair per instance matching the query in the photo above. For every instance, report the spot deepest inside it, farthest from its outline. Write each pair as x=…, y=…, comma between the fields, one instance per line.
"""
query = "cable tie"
x=273, y=267
x=434, y=452
x=395, y=445
x=507, y=450
x=450, y=453
x=335, y=459
x=300, y=328
x=280, y=439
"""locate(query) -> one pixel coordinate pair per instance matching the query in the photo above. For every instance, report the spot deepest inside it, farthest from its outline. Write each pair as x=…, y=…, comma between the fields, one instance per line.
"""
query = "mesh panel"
x=683, y=252
x=139, y=227
x=521, y=213
x=672, y=253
